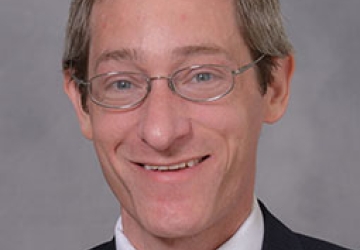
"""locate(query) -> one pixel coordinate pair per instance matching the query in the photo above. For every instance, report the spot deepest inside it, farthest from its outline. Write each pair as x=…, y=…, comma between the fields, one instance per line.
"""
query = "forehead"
x=176, y=8
x=156, y=26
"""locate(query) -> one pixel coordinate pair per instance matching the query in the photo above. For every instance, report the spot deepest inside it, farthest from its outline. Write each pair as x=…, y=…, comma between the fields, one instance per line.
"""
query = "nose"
x=164, y=120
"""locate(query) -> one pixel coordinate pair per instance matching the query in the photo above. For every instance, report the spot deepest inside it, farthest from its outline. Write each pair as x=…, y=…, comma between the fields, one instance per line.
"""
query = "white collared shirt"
x=248, y=237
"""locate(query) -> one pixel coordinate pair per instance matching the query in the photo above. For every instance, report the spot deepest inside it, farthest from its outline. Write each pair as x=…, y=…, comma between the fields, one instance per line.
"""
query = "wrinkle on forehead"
x=131, y=30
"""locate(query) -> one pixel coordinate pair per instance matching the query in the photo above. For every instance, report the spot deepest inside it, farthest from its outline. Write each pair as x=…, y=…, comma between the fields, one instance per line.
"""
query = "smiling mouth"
x=175, y=167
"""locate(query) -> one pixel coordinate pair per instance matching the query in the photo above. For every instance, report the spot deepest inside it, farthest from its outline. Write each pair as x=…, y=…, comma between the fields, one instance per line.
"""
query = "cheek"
x=226, y=121
x=234, y=128
x=236, y=124
x=111, y=130
x=109, y=125
x=226, y=127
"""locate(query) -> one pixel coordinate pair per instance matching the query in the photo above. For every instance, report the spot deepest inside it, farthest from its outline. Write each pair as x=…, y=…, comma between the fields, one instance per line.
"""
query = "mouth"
x=174, y=167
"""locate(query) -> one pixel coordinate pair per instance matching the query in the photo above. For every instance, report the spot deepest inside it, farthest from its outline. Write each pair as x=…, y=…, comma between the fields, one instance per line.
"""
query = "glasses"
x=198, y=83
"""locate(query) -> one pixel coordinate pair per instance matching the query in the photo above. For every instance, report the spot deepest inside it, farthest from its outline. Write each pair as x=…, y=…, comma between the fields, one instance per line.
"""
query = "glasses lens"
x=202, y=83
x=121, y=89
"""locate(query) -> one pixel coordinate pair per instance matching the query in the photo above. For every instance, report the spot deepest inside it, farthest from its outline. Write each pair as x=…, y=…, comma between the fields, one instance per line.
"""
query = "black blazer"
x=276, y=237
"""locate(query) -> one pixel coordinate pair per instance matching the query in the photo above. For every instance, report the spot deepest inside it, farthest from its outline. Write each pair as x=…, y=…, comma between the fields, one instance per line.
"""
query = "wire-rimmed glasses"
x=198, y=83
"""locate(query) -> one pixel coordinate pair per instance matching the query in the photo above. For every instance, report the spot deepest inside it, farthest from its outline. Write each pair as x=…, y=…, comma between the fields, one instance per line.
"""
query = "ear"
x=278, y=92
x=72, y=91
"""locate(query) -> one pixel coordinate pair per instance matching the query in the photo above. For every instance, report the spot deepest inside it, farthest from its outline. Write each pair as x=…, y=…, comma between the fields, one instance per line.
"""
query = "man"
x=173, y=95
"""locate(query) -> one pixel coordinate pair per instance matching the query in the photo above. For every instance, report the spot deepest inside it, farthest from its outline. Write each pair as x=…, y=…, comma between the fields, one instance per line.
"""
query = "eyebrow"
x=202, y=49
x=127, y=54
x=117, y=55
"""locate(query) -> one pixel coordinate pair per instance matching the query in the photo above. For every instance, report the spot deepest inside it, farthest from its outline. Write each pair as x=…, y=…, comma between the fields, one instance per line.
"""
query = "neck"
x=211, y=238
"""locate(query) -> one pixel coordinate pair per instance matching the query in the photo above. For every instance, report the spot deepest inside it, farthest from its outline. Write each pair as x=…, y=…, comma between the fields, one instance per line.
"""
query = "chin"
x=175, y=231
x=175, y=225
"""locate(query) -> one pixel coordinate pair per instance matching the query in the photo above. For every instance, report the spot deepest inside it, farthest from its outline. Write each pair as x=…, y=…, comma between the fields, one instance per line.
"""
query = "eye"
x=122, y=85
x=119, y=88
x=203, y=77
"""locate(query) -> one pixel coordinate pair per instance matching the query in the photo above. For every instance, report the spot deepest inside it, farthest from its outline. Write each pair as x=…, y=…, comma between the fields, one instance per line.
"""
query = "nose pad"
x=163, y=120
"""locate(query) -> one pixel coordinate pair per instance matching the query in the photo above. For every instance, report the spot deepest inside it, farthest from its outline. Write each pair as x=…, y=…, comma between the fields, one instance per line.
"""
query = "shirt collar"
x=251, y=233
x=248, y=237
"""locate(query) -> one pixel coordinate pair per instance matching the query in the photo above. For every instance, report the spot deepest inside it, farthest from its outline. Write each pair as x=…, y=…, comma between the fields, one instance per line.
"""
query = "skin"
x=199, y=207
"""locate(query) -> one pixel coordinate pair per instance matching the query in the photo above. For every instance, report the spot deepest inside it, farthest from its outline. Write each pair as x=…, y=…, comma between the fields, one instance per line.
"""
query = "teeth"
x=183, y=165
x=192, y=163
x=162, y=168
x=148, y=167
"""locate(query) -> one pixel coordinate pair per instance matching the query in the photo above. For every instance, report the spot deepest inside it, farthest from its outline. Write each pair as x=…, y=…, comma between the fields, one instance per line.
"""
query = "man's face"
x=219, y=138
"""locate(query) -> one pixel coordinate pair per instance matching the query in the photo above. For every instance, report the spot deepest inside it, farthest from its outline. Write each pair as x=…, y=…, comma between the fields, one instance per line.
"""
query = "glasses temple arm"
x=78, y=81
x=248, y=66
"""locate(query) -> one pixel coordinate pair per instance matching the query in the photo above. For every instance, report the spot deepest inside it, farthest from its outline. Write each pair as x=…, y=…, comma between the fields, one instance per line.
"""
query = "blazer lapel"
x=106, y=246
x=277, y=236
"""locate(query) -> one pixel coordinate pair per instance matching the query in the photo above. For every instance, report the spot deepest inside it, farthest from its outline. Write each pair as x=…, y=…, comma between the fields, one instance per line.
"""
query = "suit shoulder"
x=110, y=245
x=278, y=236
x=310, y=243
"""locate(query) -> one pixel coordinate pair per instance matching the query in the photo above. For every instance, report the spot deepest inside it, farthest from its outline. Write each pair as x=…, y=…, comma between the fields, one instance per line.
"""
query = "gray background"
x=52, y=193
